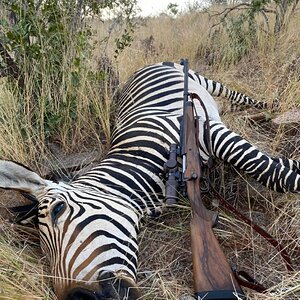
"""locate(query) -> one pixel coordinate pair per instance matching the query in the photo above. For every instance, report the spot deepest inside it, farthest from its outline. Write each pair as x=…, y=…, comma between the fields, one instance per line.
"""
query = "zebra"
x=88, y=228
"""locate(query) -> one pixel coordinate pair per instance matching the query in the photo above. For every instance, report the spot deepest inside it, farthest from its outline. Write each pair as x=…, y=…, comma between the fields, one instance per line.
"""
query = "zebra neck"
x=132, y=178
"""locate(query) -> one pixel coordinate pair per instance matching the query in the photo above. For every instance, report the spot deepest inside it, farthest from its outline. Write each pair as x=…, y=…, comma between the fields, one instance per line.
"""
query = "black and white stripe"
x=96, y=231
x=217, y=89
x=281, y=175
x=148, y=122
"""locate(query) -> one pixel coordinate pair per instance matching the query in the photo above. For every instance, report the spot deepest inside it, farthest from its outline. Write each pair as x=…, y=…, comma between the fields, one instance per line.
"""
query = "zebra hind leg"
x=236, y=98
x=218, y=89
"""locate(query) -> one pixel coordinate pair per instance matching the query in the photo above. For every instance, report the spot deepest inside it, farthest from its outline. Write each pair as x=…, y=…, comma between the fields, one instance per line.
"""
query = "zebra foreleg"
x=278, y=175
x=292, y=164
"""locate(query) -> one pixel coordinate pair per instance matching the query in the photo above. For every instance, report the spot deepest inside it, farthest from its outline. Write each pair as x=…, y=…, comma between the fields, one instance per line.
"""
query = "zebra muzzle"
x=118, y=286
x=110, y=286
x=80, y=293
x=116, y=290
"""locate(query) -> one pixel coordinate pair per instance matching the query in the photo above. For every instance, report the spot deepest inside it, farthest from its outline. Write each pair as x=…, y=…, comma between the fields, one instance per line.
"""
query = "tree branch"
x=294, y=6
x=228, y=10
x=225, y=15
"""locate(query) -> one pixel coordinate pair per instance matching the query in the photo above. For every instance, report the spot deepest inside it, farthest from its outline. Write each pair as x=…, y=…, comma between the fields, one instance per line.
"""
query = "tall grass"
x=23, y=270
x=269, y=70
x=74, y=126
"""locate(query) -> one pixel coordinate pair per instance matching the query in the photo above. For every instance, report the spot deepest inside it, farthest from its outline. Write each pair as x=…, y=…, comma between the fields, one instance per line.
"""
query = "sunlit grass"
x=23, y=269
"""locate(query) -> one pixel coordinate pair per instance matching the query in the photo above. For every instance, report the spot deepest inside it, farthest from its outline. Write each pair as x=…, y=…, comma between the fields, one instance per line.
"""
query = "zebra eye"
x=57, y=210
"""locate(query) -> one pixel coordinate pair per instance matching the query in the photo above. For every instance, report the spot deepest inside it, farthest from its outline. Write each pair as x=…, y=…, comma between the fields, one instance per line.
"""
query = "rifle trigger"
x=205, y=188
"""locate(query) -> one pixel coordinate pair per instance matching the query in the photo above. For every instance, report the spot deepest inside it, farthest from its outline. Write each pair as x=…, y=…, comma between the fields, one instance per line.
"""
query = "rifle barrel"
x=185, y=64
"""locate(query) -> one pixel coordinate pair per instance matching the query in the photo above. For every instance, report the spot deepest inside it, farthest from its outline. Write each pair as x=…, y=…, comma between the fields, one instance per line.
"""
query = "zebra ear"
x=18, y=177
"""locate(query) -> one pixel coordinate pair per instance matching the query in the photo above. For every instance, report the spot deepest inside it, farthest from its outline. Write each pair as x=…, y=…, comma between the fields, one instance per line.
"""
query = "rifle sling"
x=257, y=228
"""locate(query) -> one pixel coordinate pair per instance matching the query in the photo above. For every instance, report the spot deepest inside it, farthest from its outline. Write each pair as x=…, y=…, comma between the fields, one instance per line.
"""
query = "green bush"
x=48, y=44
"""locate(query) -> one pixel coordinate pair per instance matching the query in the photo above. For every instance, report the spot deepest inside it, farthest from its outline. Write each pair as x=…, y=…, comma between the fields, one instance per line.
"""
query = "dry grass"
x=270, y=70
x=165, y=261
x=12, y=143
x=23, y=269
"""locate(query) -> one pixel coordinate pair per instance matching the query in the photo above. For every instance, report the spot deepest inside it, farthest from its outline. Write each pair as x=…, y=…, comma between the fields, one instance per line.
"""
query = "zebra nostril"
x=115, y=287
x=83, y=294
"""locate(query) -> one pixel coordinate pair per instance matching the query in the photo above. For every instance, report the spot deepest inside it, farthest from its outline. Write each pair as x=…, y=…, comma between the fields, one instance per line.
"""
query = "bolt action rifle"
x=213, y=277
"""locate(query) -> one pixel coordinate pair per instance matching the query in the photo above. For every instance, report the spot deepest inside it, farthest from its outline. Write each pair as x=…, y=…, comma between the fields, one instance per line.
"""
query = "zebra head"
x=89, y=237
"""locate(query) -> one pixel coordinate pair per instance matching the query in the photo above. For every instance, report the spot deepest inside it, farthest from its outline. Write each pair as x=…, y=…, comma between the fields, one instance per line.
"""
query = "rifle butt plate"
x=220, y=295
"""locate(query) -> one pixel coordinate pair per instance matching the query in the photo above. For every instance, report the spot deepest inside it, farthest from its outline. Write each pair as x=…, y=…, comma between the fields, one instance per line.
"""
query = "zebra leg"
x=272, y=173
x=236, y=98
x=292, y=164
x=218, y=89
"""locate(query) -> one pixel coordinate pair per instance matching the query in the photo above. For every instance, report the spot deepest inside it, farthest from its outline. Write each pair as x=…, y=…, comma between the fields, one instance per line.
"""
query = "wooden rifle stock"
x=213, y=277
